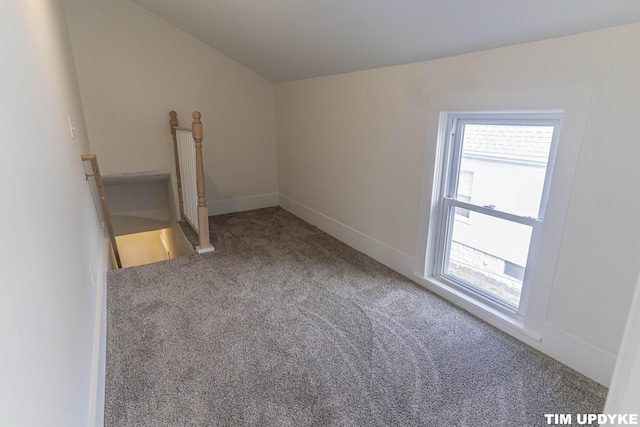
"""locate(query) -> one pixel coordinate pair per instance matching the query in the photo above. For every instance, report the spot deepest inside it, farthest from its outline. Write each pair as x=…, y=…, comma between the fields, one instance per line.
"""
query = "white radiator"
x=187, y=156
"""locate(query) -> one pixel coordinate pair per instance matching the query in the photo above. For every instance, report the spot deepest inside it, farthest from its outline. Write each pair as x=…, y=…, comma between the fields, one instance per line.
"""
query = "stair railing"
x=92, y=158
x=187, y=146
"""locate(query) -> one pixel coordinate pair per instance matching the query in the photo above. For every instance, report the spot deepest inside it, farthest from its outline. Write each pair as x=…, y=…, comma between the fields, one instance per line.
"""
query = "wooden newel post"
x=203, y=212
x=174, y=124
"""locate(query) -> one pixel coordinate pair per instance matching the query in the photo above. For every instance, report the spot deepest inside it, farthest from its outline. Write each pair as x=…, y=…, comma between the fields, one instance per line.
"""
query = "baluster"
x=174, y=124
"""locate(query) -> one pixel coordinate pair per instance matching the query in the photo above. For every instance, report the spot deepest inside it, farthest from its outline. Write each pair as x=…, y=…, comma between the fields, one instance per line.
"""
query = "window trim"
x=444, y=202
x=539, y=328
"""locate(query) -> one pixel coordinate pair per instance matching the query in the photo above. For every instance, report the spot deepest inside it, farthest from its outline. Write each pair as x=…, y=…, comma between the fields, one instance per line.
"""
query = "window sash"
x=444, y=245
x=526, y=220
x=454, y=149
x=448, y=202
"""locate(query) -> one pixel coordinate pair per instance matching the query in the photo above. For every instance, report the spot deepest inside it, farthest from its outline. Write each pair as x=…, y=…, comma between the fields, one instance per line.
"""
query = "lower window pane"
x=488, y=253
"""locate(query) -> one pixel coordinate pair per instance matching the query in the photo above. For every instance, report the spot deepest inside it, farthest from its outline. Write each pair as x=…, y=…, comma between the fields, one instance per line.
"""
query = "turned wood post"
x=203, y=212
x=174, y=124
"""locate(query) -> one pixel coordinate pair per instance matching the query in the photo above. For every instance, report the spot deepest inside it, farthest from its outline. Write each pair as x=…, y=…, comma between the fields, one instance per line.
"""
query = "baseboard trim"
x=219, y=207
x=572, y=351
x=512, y=325
x=384, y=254
x=96, y=393
x=568, y=349
x=578, y=354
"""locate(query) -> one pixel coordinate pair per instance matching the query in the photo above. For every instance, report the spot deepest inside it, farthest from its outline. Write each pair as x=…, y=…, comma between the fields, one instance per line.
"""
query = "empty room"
x=401, y=213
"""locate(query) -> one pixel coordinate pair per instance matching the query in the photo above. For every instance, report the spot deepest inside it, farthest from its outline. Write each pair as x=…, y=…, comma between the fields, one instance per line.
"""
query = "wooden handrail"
x=92, y=158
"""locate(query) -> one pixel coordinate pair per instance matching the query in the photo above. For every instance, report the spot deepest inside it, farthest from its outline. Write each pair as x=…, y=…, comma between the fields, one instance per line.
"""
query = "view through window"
x=493, y=202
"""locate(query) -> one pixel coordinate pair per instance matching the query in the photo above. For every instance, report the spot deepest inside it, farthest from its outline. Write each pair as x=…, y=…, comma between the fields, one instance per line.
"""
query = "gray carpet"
x=285, y=326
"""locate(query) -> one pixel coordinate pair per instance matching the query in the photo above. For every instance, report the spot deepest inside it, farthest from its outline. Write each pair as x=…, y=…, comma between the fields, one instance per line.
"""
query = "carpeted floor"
x=285, y=326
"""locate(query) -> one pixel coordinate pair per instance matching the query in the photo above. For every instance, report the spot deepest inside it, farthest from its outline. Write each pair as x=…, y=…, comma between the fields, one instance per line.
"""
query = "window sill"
x=508, y=322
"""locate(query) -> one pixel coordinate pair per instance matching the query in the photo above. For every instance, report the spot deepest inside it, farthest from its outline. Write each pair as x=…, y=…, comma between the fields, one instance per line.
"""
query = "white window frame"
x=446, y=201
x=536, y=329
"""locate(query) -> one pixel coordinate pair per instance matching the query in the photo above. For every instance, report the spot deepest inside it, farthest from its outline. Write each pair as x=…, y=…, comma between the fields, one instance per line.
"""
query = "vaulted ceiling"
x=293, y=39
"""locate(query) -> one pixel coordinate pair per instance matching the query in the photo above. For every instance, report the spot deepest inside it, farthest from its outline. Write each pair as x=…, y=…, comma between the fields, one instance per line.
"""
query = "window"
x=495, y=182
x=464, y=191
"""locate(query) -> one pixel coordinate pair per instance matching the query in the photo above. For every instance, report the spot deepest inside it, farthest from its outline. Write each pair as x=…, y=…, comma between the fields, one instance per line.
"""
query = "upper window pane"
x=508, y=164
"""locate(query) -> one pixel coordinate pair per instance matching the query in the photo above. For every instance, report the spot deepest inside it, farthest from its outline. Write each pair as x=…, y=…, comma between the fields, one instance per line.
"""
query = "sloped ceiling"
x=294, y=39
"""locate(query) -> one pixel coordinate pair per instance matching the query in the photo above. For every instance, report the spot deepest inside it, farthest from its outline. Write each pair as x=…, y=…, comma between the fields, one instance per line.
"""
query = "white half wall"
x=134, y=68
x=624, y=394
x=351, y=149
x=52, y=254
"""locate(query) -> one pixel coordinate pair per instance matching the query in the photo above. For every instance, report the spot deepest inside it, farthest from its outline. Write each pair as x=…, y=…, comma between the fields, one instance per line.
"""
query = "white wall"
x=624, y=394
x=133, y=68
x=51, y=235
x=351, y=150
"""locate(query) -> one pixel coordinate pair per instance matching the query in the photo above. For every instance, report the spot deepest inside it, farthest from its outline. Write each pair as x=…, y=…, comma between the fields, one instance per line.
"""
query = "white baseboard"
x=578, y=354
x=384, y=254
x=96, y=392
x=219, y=207
x=574, y=352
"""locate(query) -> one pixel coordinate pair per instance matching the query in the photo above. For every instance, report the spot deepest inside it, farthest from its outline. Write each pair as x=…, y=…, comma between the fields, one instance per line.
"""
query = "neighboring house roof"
x=528, y=145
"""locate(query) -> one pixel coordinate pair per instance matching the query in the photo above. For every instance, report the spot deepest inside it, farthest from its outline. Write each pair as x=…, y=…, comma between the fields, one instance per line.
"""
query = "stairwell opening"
x=144, y=218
